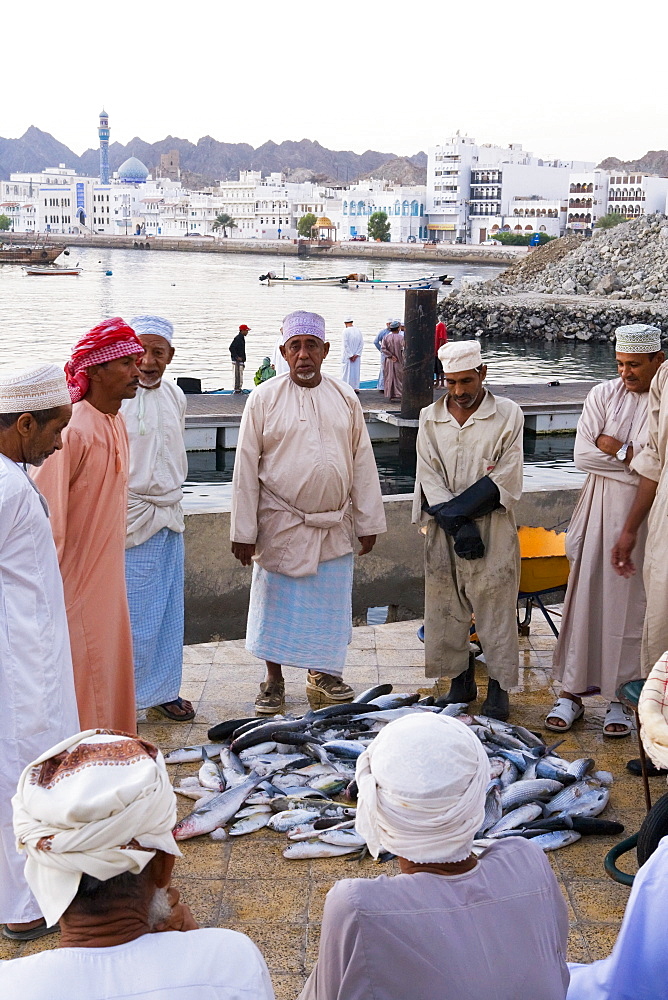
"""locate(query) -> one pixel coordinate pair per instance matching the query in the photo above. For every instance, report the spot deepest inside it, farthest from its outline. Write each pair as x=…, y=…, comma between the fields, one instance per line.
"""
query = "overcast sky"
x=575, y=80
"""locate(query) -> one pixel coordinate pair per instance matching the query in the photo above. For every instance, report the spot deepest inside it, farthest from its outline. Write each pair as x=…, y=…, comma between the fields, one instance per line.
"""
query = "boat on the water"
x=53, y=270
x=38, y=253
x=359, y=281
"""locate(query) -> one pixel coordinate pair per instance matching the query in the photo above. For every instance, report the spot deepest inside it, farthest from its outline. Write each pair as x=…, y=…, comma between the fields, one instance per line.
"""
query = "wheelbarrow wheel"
x=654, y=827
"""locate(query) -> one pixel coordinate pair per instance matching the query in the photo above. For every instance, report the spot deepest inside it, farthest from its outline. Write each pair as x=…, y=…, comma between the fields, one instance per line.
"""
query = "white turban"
x=460, y=356
x=303, y=324
x=98, y=803
x=653, y=712
x=637, y=338
x=39, y=387
x=157, y=326
x=422, y=785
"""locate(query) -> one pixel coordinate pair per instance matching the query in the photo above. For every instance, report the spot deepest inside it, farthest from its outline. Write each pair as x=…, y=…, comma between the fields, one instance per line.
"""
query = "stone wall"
x=217, y=586
x=545, y=317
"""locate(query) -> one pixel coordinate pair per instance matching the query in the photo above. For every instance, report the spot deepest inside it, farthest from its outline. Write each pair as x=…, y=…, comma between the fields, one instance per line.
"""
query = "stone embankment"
x=628, y=262
x=373, y=252
x=545, y=317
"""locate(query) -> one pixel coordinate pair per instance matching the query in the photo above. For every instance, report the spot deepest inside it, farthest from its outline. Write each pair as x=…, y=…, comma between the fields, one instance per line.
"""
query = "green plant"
x=306, y=224
x=5, y=222
x=610, y=220
x=378, y=227
x=224, y=222
x=521, y=239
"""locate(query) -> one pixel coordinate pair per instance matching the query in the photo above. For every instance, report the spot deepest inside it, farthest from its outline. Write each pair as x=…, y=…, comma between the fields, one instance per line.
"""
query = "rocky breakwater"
x=572, y=288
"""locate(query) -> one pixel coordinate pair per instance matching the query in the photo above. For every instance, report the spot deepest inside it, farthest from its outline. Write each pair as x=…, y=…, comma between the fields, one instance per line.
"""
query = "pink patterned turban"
x=110, y=339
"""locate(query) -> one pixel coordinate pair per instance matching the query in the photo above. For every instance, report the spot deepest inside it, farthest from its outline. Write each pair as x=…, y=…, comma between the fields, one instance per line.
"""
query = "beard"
x=159, y=909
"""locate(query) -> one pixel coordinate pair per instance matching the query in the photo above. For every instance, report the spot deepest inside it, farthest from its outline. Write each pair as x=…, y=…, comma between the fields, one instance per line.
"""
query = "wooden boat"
x=53, y=270
x=271, y=278
x=38, y=253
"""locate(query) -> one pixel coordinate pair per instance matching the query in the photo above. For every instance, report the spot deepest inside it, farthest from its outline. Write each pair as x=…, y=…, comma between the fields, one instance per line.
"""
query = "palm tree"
x=224, y=222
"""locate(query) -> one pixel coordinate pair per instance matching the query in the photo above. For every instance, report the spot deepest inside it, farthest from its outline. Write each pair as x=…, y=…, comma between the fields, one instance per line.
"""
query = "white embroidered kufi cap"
x=460, y=356
x=158, y=326
x=303, y=324
x=40, y=387
x=638, y=338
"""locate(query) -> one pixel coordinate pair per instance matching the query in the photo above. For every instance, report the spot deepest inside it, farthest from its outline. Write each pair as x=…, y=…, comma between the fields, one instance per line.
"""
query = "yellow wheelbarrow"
x=544, y=569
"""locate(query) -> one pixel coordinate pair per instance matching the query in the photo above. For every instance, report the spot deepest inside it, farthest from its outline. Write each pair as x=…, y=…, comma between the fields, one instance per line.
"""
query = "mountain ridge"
x=208, y=159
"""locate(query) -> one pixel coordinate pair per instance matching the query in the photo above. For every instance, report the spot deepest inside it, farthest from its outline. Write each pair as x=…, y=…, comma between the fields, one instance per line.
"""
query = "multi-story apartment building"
x=350, y=209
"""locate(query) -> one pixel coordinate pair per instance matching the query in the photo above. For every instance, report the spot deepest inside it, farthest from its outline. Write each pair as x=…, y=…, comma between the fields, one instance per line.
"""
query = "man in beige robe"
x=599, y=643
x=469, y=478
x=86, y=486
x=305, y=485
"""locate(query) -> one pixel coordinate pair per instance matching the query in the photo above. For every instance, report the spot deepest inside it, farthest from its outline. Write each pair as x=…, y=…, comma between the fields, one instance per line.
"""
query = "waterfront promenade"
x=246, y=884
x=440, y=253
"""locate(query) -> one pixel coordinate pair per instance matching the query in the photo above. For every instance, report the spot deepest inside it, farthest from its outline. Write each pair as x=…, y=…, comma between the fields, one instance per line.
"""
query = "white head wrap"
x=349, y=320
x=303, y=324
x=638, y=338
x=653, y=711
x=158, y=326
x=460, y=356
x=422, y=785
x=99, y=802
x=40, y=387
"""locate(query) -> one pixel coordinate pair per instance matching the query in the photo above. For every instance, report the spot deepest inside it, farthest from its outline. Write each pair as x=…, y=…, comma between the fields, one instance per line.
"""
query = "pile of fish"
x=297, y=776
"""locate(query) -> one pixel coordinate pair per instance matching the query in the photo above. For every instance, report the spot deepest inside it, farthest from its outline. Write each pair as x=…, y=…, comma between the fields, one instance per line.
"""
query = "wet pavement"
x=247, y=885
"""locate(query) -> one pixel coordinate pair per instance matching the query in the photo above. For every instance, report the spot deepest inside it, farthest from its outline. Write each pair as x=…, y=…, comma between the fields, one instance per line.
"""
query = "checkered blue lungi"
x=302, y=621
x=154, y=580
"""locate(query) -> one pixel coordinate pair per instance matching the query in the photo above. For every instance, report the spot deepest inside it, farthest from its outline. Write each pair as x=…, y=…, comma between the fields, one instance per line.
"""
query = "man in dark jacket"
x=238, y=352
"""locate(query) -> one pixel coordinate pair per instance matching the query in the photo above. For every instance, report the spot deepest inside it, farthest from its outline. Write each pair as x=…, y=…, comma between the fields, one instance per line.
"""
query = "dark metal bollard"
x=418, y=383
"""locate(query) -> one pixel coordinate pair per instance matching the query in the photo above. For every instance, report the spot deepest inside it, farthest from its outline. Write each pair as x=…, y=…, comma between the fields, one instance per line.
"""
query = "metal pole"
x=418, y=383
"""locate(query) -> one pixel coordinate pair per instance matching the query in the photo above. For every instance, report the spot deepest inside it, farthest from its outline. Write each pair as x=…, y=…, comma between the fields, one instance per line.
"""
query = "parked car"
x=491, y=243
x=411, y=239
x=358, y=239
x=192, y=234
x=460, y=239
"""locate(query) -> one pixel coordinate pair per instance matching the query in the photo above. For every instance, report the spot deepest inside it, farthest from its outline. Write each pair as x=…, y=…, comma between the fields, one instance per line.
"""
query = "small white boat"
x=53, y=270
x=271, y=278
x=429, y=281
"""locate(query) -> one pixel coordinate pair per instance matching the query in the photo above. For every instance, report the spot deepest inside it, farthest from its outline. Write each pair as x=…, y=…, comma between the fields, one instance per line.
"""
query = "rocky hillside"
x=627, y=262
x=399, y=171
x=208, y=158
x=655, y=161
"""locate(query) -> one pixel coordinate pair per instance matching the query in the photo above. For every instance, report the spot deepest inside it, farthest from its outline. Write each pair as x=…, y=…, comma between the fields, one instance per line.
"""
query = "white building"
x=351, y=208
x=268, y=207
x=473, y=188
x=636, y=194
x=587, y=199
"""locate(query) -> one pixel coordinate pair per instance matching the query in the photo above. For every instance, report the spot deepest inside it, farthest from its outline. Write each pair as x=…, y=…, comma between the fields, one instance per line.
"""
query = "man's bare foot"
x=28, y=926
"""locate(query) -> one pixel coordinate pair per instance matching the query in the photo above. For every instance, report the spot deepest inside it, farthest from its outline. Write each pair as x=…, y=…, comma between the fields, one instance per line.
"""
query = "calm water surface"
x=207, y=296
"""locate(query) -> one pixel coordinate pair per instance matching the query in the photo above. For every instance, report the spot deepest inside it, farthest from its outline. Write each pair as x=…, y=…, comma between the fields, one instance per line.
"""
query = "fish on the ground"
x=305, y=849
x=556, y=839
x=249, y=824
x=529, y=791
x=218, y=811
x=183, y=755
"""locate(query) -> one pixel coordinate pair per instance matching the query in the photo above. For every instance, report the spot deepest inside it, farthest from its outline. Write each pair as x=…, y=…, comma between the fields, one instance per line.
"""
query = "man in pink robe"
x=599, y=643
x=86, y=485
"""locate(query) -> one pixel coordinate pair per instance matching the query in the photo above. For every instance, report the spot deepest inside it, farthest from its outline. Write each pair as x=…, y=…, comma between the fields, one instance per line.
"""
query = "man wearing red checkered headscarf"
x=86, y=486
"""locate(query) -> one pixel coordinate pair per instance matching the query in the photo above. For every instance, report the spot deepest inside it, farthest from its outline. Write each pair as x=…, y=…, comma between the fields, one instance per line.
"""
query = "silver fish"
x=186, y=754
x=249, y=824
x=508, y=775
x=218, y=811
x=558, y=838
x=252, y=809
x=528, y=791
x=496, y=766
x=592, y=803
x=567, y=799
x=581, y=767
x=345, y=748
x=342, y=838
x=290, y=818
x=493, y=810
x=516, y=817
x=210, y=776
x=199, y=794
x=454, y=709
x=257, y=751
x=315, y=849
x=548, y=768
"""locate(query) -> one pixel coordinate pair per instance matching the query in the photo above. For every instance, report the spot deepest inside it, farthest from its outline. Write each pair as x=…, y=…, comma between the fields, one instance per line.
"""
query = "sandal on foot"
x=32, y=934
x=330, y=686
x=616, y=716
x=567, y=710
x=185, y=715
x=271, y=699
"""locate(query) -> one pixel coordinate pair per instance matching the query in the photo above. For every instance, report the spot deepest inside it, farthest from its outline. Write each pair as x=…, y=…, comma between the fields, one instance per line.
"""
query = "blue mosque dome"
x=133, y=171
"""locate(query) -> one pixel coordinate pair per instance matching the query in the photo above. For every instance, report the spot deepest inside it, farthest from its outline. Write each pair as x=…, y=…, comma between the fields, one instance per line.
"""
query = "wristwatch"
x=621, y=454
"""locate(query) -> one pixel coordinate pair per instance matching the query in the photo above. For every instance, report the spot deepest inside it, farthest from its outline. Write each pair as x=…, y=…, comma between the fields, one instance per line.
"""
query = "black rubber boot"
x=653, y=771
x=462, y=687
x=496, y=705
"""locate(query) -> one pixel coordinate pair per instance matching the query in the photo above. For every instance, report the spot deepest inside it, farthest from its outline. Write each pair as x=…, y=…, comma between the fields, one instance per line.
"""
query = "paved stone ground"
x=246, y=884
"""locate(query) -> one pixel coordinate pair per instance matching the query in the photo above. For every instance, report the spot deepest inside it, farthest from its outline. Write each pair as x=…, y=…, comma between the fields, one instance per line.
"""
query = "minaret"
x=103, y=132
